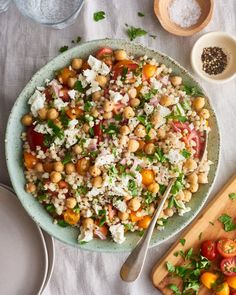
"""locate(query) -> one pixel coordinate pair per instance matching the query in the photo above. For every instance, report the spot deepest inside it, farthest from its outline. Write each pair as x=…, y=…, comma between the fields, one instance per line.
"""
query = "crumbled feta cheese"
x=183, y=209
x=117, y=232
x=155, y=84
x=94, y=86
x=104, y=159
x=120, y=205
x=148, y=109
x=95, y=192
x=71, y=136
x=117, y=191
x=73, y=123
x=90, y=75
x=174, y=156
x=83, y=81
x=163, y=111
x=59, y=104
x=115, y=96
x=72, y=93
x=85, y=235
x=133, y=122
x=37, y=102
x=43, y=128
x=98, y=66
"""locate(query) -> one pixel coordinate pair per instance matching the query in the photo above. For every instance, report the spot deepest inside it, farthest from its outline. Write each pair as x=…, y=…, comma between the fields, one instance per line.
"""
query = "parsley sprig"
x=228, y=223
x=134, y=32
x=99, y=15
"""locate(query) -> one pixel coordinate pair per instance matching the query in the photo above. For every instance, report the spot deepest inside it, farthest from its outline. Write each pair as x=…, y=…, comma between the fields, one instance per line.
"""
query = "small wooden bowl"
x=161, y=11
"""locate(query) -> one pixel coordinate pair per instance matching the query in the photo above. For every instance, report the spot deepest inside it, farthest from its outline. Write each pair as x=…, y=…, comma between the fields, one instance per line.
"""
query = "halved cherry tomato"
x=62, y=184
x=29, y=160
x=104, y=52
x=48, y=92
x=208, y=279
x=48, y=166
x=222, y=289
x=63, y=94
x=74, y=113
x=98, y=131
x=226, y=247
x=147, y=176
x=231, y=282
x=144, y=223
x=149, y=71
x=85, y=66
x=101, y=232
x=120, y=65
x=34, y=138
x=111, y=212
x=228, y=266
x=134, y=216
x=71, y=217
x=208, y=250
x=117, y=107
x=65, y=74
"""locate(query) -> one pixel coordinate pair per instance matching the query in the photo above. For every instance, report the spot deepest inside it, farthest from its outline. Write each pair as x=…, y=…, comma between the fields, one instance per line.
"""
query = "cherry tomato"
x=63, y=94
x=208, y=250
x=147, y=176
x=208, y=279
x=148, y=71
x=226, y=247
x=120, y=65
x=98, y=130
x=74, y=113
x=231, y=282
x=71, y=217
x=111, y=212
x=228, y=266
x=144, y=223
x=117, y=107
x=222, y=289
x=48, y=93
x=101, y=232
x=62, y=184
x=34, y=138
x=234, y=293
x=134, y=216
x=104, y=52
x=65, y=74
x=29, y=160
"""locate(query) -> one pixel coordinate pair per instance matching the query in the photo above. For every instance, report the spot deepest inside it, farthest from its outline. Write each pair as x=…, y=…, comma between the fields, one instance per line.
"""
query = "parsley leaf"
x=134, y=32
x=87, y=106
x=182, y=242
x=227, y=222
x=149, y=95
x=62, y=223
x=170, y=267
x=64, y=119
x=140, y=14
x=132, y=187
x=175, y=289
x=67, y=158
x=78, y=86
x=191, y=90
x=153, y=36
x=58, y=132
x=232, y=196
x=99, y=15
x=186, y=154
x=111, y=129
x=63, y=48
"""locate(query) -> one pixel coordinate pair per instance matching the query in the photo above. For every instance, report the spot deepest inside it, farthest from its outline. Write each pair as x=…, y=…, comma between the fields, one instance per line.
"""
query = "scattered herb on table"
x=182, y=241
x=78, y=39
x=63, y=48
x=212, y=223
x=228, y=223
x=200, y=236
x=99, y=15
x=140, y=14
x=153, y=36
x=134, y=32
x=232, y=196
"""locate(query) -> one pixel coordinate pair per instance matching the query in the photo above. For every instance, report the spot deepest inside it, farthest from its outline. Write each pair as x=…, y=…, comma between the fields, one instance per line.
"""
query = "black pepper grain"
x=214, y=60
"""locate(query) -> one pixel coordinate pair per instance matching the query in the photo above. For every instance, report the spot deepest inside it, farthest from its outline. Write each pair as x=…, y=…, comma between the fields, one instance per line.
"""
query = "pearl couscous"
x=104, y=138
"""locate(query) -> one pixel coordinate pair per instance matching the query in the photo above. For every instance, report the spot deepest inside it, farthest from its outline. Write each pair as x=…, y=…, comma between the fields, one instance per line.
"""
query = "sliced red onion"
x=98, y=233
x=164, y=80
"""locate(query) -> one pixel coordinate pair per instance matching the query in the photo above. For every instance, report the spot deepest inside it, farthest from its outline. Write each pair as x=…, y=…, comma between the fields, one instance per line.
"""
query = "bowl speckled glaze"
x=14, y=151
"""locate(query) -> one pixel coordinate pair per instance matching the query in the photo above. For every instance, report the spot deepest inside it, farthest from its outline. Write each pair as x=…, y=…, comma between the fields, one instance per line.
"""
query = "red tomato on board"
x=228, y=266
x=208, y=250
x=34, y=138
x=226, y=248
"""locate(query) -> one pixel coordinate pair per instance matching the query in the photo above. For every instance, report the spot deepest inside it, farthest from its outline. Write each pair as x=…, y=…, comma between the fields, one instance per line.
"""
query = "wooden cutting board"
x=205, y=226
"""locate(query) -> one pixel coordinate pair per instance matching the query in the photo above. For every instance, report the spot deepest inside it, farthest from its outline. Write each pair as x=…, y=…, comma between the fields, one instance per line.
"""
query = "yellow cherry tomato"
x=144, y=223
x=208, y=279
x=231, y=281
x=71, y=217
x=29, y=160
x=149, y=71
x=222, y=289
x=147, y=176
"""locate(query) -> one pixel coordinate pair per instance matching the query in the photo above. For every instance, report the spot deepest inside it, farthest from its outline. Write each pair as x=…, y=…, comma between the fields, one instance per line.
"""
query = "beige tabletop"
x=26, y=46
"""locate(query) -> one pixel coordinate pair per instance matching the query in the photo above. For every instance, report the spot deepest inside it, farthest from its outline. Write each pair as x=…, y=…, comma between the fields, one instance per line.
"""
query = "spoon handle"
x=133, y=265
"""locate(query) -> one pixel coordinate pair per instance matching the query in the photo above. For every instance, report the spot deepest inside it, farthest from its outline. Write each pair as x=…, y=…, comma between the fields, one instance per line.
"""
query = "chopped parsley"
x=62, y=223
x=228, y=223
x=191, y=90
x=64, y=119
x=63, y=48
x=111, y=129
x=57, y=131
x=175, y=289
x=149, y=95
x=232, y=196
x=118, y=117
x=124, y=73
x=99, y=15
x=178, y=185
x=50, y=208
x=132, y=187
x=182, y=242
x=185, y=154
x=162, y=188
x=170, y=267
x=78, y=39
x=140, y=14
x=200, y=236
x=134, y=32
x=103, y=219
x=78, y=86
x=67, y=158
x=87, y=106
x=153, y=36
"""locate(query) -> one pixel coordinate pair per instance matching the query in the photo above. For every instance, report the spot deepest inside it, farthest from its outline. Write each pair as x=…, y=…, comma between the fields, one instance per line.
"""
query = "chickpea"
x=82, y=166
x=134, y=102
x=77, y=149
x=86, y=128
x=95, y=171
x=27, y=120
x=133, y=145
x=176, y=80
x=202, y=178
x=140, y=131
x=96, y=95
x=198, y=103
x=165, y=101
x=87, y=223
x=134, y=204
x=193, y=178
x=169, y=212
x=132, y=93
x=123, y=215
x=153, y=188
x=141, y=145
x=48, y=166
x=39, y=167
x=94, y=112
x=97, y=181
x=76, y=63
x=102, y=80
x=127, y=198
x=204, y=113
x=155, y=118
x=151, y=209
x=190, y=165
x=69, y=168
x=58, y=166
x=124, y=130
x=52, y=114
x=120, y=55
x=71, y=82
x=30, y=187
x=149, y=148
x=187, y=195
x=71, y=203
x=152, y=133
x=128, y=113
x=107, y=115
x=108, y=106
x=55, y=176
x=161, y=133
x=194, y=187
x=123, y=140
x=42, y=113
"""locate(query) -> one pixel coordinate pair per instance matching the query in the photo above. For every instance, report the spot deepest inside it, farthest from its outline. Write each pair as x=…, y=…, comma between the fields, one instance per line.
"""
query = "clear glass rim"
x=47, y=23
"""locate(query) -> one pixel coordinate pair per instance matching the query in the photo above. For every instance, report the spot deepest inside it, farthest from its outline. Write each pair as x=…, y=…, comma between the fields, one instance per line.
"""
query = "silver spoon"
x=133, y=265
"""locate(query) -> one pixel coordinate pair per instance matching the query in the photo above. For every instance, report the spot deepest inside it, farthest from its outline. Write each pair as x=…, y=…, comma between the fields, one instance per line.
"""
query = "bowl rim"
x=218, y=34
x=181, y=31
x=117, y=250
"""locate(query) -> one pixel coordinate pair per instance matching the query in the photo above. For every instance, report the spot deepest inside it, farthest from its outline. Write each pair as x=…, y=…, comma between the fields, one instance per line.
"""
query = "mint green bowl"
x=14, y=151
